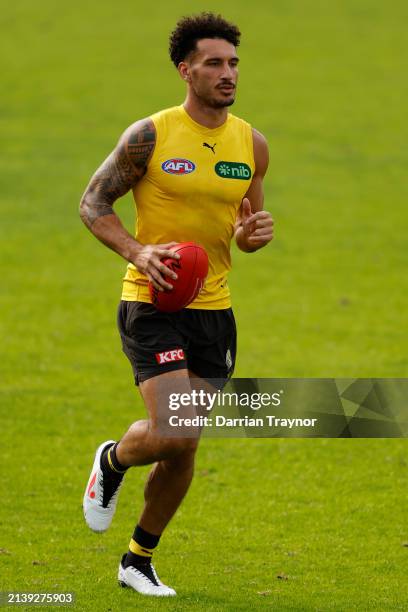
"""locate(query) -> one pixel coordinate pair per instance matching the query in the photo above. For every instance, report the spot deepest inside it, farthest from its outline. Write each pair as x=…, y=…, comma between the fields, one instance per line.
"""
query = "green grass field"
x=327, y=84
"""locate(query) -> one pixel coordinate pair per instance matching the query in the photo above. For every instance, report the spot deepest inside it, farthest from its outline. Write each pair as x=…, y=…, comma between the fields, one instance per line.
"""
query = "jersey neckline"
x=202, y=129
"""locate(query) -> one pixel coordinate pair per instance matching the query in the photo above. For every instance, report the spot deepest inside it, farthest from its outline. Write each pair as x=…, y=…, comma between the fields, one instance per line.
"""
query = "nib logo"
x=233, y=170
x=167, y=356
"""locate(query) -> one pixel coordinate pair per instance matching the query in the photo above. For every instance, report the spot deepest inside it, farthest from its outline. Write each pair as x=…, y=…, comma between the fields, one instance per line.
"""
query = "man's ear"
x=184, y=71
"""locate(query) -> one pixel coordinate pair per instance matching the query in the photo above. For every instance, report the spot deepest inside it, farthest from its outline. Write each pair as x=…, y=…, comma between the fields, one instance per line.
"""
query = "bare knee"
x=145, y=443
x=181, y=449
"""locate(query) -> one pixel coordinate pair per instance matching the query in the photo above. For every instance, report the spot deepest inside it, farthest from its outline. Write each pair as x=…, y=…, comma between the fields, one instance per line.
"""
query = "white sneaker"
x=100, y=497
x=145, y=583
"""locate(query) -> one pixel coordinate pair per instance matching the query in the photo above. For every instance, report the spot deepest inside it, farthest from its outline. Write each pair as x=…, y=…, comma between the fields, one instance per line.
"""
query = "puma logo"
x=205, y=144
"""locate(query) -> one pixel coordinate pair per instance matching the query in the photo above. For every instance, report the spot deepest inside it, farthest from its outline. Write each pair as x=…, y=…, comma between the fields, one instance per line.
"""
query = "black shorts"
x=204, y=341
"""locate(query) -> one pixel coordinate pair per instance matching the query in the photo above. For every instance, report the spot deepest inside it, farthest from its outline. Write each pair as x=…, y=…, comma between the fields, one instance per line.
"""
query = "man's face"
x=213, y=72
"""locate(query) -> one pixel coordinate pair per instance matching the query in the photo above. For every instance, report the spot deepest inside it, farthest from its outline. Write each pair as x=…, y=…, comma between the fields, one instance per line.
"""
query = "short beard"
x=213, y=102
x=220, y=103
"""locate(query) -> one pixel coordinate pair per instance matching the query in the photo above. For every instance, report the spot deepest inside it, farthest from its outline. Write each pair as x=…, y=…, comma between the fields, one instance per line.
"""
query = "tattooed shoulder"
x=119, y=172
x=140, y=140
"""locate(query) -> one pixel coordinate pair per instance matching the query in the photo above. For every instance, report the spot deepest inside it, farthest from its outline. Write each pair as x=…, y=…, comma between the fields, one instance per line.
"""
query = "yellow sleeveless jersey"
x=192, y=190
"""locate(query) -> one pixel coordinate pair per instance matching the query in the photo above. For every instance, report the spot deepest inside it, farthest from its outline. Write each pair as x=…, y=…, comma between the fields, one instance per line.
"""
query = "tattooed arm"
x=116, y=176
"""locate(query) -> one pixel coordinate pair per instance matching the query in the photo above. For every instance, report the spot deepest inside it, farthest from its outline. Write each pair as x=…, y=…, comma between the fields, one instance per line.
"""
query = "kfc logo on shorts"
x=168, y=356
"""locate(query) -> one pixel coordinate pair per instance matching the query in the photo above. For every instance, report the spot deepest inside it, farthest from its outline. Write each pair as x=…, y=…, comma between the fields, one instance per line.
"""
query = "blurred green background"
x=326, y=82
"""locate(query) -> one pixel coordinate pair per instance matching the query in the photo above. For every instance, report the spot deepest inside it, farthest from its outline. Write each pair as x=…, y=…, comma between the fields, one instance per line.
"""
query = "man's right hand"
x=148, y=262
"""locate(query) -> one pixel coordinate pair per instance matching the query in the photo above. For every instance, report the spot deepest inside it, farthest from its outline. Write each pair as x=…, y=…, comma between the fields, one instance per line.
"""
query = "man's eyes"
x=217, y=63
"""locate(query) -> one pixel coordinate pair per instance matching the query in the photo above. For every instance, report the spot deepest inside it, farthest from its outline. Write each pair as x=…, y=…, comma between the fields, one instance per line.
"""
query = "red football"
x=191, y=270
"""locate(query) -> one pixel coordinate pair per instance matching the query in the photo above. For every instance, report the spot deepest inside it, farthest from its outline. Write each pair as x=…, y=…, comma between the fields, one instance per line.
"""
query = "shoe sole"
x=124, y=585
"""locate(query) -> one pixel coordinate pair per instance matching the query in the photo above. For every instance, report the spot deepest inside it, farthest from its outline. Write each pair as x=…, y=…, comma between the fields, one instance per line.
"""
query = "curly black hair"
x=190, y=29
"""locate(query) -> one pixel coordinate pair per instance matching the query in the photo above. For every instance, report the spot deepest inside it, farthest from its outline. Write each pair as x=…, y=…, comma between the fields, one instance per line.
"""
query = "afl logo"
x=178, y=166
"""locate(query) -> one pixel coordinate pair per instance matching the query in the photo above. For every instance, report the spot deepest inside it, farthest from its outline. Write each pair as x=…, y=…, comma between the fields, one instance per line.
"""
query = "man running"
x=196, y=173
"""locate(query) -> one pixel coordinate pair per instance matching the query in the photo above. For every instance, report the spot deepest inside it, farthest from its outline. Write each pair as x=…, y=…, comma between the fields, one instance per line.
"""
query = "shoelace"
x=156, y=576
x=114, y=496
x=140, y=574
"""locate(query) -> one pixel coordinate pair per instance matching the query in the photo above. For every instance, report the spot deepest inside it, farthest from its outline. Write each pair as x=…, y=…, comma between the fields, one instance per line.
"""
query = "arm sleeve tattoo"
x=119, y=172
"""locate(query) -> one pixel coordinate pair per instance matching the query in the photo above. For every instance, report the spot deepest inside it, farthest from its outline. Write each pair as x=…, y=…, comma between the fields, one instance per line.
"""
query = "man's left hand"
x=257, y=227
